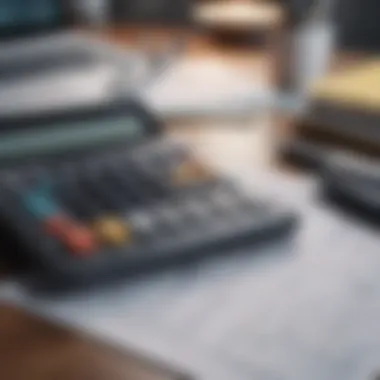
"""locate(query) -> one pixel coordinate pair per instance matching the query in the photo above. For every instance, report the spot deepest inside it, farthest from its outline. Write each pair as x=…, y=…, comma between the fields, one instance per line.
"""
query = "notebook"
x=357, y=87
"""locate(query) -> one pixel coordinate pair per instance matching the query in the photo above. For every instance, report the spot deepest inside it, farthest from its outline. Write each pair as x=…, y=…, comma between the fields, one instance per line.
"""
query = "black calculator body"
x=92, y=196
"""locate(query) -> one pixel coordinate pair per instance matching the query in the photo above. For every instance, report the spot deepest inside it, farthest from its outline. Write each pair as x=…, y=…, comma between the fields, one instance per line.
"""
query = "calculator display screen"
x=70, y=136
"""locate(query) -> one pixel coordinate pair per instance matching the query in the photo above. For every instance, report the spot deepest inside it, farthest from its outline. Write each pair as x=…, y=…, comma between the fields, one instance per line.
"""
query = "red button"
x=78, y=239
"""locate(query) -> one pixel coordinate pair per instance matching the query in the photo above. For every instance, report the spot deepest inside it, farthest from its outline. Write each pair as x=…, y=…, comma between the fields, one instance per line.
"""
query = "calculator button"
x=195, y=208
x=79, y=240
x=40, y=205
x=113, y=231
x=189, y=172
x=169, y=214
x=225, y=200
x=142, y=222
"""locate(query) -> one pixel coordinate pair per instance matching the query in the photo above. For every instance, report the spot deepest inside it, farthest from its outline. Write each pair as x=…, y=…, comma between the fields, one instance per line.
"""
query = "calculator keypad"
x=129, y=205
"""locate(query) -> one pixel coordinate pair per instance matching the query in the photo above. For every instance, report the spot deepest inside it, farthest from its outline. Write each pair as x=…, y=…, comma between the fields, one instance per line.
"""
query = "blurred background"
x=250, y=85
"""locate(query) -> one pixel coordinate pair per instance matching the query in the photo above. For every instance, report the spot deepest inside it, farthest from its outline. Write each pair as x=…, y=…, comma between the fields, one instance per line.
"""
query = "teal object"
x=41, y=204
x=63, y=137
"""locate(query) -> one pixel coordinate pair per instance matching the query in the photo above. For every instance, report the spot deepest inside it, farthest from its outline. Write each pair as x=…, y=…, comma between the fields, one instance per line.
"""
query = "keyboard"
x=127, y=211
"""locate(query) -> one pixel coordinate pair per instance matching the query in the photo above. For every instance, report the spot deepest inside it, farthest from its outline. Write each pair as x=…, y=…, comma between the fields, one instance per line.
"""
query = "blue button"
x=41, y=205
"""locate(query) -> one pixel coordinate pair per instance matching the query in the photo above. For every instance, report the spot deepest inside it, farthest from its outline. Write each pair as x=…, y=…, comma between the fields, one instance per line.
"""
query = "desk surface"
x=307, y=308
x=32, y=349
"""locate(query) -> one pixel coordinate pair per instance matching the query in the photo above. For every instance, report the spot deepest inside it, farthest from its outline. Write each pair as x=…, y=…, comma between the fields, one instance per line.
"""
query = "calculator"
x=90, y=197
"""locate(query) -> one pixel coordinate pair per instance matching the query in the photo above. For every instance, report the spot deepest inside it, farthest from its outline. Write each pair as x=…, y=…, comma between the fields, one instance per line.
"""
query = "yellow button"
x=112, y=231
x=190, y=172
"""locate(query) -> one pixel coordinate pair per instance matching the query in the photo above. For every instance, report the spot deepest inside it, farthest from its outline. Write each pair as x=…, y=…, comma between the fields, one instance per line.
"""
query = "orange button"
x=113, y=231
x=190, y=172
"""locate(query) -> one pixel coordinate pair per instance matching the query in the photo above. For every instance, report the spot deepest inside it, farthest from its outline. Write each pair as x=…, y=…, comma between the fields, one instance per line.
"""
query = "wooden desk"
x=32, y=349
